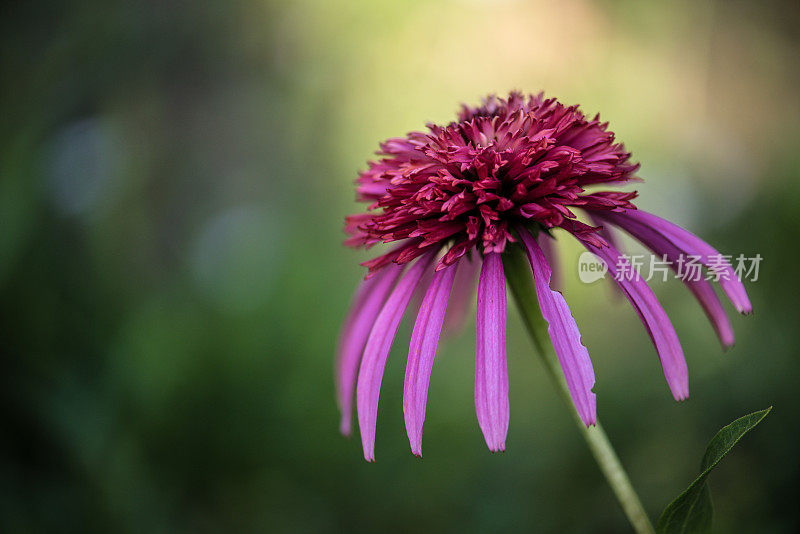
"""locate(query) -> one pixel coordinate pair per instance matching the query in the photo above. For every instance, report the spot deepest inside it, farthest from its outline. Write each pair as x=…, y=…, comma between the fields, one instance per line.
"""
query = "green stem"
x=518, y=275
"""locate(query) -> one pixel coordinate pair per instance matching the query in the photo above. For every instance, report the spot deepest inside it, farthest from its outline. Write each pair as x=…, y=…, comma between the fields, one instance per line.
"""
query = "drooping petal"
x=548, y=245
x=422, y=287
x=563, y=331
x=377, y=348
x=362, y=292
x=653, y=316
x=701, y=289
x=422, y=352
x=605, y=232
x=693, y=245
x=463, y=295
x=491, y=370
x=712, y=306
x=612, y=239
x=366, y=306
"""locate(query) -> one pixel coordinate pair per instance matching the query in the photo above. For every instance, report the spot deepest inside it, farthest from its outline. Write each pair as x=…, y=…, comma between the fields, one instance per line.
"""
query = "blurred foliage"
x=173, y=178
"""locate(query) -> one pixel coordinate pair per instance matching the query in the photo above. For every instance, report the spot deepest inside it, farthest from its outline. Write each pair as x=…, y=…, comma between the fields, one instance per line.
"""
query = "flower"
x=452, y=200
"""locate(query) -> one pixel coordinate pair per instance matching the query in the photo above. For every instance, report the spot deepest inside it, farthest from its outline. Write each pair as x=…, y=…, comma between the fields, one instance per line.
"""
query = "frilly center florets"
x=465, y=185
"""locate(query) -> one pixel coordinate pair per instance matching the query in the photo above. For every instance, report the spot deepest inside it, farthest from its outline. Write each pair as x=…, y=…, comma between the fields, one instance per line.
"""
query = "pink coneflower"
x=453, y=200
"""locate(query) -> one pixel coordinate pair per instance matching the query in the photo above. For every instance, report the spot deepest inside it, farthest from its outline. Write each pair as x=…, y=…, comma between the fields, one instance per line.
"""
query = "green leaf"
x=692, y=511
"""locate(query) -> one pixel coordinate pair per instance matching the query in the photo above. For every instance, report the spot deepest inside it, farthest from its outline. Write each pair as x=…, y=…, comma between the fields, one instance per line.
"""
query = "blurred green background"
x=173, y=181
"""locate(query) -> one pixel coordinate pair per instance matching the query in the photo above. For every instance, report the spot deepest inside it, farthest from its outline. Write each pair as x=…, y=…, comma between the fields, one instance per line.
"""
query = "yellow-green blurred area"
x=173, y=181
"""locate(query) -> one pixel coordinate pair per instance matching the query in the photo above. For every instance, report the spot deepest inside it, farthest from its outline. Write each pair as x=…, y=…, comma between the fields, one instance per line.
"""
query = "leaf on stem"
x=692, y=511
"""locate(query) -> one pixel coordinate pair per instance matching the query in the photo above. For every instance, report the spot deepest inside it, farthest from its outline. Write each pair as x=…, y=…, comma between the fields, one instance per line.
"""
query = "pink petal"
x=368, y=302
x=548, y=245
x=377, y=349
x=701, y=289
x=712, y=306
x=422, y=352
x=491, y=370
x=611, y=238
x=693, y=245
x=463, y=294
x=572, y=355
x=654, y=318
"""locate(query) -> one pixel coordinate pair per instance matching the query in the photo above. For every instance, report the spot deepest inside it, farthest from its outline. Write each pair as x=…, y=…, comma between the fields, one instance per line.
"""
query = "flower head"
x=515, y=160
x=452, y=200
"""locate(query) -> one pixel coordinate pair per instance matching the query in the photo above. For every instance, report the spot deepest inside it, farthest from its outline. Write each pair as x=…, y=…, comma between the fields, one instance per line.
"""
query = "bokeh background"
x=173, y=180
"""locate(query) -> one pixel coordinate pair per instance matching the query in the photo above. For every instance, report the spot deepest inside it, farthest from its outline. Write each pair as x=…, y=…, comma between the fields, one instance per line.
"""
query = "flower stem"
x=518, y=275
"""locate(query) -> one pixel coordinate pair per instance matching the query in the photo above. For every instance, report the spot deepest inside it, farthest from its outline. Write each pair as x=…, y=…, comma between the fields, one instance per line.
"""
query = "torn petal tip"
x=680, y=397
